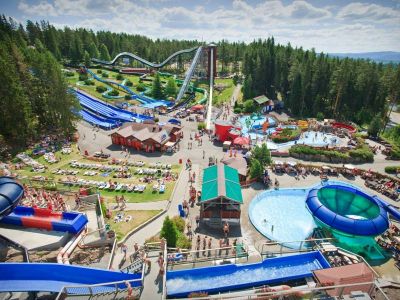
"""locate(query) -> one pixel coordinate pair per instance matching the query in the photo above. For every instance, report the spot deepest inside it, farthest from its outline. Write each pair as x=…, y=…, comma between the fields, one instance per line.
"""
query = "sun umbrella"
x=197, y=107
x=241, y=140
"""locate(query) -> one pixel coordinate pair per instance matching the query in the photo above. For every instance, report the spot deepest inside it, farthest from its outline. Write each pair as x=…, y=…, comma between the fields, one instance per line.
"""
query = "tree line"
x=33, y=92
x=316, y=85
x=310, y=84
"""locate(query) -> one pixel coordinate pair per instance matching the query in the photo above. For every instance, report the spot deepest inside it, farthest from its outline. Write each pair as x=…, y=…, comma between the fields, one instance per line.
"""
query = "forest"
x=310, y=84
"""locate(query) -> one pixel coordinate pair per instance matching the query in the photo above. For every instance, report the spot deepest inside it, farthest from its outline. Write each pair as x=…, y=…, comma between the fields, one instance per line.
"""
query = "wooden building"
x=221, y=196
x=147, y=137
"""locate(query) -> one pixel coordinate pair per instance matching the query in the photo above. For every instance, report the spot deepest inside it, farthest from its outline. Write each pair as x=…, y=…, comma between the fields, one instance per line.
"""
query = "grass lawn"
x=138, y=217
x=225, y=95
x=146, y=196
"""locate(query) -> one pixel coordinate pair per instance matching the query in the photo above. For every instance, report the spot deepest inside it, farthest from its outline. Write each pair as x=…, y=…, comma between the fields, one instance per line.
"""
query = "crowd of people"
x=40, y=198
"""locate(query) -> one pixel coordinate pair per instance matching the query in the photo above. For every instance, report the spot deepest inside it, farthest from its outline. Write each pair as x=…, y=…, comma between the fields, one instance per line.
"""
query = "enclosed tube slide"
x=142, y=60
x=347, y=209
x=10, y=194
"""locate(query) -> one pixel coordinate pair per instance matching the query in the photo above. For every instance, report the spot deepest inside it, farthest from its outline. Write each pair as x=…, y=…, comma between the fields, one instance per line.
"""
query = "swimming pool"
x=281, y=215
x=311, y=138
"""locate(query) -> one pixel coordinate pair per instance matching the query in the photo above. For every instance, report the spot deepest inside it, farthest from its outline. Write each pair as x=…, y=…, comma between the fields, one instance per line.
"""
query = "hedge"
x=392, y=169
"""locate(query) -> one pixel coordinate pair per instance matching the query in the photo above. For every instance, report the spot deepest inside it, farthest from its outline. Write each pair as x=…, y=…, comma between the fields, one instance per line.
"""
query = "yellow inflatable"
x=302, y=124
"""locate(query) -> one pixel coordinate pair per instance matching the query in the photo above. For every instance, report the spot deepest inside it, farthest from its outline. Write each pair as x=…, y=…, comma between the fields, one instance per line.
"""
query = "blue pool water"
x=285, y=210
x=230, y=277
x=311, y=138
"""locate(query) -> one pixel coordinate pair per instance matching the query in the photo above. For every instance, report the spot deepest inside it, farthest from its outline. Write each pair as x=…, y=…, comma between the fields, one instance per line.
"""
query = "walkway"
x=210, y=95
x=181, y=192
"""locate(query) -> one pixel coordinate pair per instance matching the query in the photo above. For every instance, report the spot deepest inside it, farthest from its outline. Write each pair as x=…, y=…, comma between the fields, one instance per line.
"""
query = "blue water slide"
x=50, y=277
x=146, y=101
x=232, y=277
x=98, y=121
x=108, y=111
x=142, y=60
x=10, y=194
x=142, y=99
x=393, y=211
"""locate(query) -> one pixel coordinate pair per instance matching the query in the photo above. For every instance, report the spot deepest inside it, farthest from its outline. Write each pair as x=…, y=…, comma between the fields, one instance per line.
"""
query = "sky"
x=326, y=25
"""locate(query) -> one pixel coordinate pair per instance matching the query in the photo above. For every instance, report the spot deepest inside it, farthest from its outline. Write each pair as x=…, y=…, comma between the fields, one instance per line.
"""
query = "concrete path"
x=141, y=206
x=180, y=193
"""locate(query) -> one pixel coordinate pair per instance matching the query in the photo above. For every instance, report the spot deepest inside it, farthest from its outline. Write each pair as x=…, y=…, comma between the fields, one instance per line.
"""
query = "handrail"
x=165, y=265
x=142, y=60
x=218, y=254
x=300, y=248
x=189, y=74
x=253, y=293
x=112, y=254
x=18, y=245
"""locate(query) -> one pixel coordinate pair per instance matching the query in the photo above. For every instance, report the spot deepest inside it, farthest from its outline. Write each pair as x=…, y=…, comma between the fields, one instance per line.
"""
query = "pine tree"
x=86, y=59
x=104, y=54
x=296, y=95
x=247, y=88
x=170, y=89
x=169, y=232
x=93, y=51
x=157, y=92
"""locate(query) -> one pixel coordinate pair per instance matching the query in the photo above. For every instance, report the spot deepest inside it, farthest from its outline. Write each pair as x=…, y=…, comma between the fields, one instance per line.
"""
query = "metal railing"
x=208, y=255
x=189, y=74
x=100, y=288
x=112, y=254
x=285, y=249
x=165, y=265
x=338, y=291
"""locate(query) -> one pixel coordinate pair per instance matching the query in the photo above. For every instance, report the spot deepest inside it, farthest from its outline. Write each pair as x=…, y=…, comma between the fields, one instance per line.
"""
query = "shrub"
x=83, y=77
x=119, y=77
x=395, y=152
x=141, y=87
x=101, y=88
x=69, y=74
x=104, y=75
x=128, y=83
x=320, y=116
x=256, y=170
x=237, y=110
x=99, y=71
x=179, y=223
x=392, y=169
x=363, y=153
x=89, y=82
x=201, y=126
x=169, y=232
x=128, y=97
x=261, y=154
x=156, y=119
x=113, y=92
x=249, y=107
x=183, y=242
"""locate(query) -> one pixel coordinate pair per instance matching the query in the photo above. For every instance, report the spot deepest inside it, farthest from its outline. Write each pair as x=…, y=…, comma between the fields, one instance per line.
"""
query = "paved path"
x=141, y=206
x=181, y=192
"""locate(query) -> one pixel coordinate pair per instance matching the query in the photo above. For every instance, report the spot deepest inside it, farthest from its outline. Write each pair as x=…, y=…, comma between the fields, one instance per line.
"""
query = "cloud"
x=361, y=11
x=301, y=23
x=43, y=8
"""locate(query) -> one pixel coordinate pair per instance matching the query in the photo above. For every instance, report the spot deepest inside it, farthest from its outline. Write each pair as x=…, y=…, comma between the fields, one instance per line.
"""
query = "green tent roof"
x=221, y=181
x=261, y=99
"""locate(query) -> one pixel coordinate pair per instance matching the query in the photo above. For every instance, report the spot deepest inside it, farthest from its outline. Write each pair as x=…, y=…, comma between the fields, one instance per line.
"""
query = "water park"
x=180, y=197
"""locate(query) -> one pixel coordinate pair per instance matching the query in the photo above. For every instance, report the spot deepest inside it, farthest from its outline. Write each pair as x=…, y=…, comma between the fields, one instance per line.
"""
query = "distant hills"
x=383, y=56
